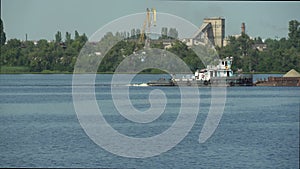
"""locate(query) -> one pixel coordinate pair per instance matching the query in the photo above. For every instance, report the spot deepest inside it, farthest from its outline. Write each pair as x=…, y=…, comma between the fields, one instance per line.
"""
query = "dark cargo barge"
x=291, y=78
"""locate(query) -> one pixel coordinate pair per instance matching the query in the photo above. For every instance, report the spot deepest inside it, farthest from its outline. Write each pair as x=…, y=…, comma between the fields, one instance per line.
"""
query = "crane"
x=150, y=20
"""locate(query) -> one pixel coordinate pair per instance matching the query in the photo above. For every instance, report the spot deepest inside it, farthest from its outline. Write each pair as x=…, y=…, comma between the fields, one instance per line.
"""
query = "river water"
x=39, y=126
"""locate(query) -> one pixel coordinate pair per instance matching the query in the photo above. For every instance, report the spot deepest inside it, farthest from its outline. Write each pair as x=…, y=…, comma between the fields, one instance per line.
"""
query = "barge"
x=291, y=78
x=161, y=82
x=214, y=75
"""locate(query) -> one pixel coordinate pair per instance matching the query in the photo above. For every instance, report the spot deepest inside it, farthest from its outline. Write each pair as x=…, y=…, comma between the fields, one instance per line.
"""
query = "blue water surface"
x=39, y=126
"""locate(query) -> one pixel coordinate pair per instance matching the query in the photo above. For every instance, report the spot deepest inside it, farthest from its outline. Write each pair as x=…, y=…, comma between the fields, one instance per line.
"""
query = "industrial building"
x=217, y=24
x=212, y=31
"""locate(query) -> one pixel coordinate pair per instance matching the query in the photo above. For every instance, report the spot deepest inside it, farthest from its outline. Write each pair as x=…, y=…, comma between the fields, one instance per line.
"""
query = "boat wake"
x=139, y=85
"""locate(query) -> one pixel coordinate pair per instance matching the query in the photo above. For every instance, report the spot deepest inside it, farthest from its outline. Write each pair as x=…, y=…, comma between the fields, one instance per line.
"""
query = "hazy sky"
x=41, y=19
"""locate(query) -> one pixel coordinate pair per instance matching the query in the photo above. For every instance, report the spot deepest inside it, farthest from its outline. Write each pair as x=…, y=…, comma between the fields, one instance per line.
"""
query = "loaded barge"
x=214, y=75
x=291, y=78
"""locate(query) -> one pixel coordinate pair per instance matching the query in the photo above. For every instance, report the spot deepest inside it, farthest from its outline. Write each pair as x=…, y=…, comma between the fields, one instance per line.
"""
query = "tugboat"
x=214, y=75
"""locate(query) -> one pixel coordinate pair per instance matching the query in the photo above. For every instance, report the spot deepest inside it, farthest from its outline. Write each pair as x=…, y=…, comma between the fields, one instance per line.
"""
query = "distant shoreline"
x=45, y=73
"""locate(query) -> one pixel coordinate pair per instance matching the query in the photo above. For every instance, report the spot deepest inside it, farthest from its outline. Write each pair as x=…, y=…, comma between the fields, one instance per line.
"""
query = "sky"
x=41, y=19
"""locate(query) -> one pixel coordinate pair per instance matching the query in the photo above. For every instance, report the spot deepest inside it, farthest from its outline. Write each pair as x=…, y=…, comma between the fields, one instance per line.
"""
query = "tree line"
x=60, y=54
x=279, y=56
x=27, y=56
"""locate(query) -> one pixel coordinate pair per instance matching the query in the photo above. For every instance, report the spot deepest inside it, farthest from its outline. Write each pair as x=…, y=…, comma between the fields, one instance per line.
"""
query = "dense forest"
x=60, y=54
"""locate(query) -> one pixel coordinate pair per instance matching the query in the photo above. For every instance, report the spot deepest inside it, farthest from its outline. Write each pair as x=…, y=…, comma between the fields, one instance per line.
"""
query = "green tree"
x=68, y=38
x=28, y=48
x=58, y=37
x=11, y=52
x=258, y=40
x=2, y=33
x=294, y=33
x=76, y=35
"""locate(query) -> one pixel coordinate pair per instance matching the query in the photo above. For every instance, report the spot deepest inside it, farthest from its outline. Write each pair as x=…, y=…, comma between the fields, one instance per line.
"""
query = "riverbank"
x=58, y=72
x=26, y=70
x=147, y=72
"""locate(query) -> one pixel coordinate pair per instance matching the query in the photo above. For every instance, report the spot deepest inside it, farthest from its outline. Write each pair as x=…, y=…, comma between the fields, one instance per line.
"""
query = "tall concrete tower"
x=218, y=27
x=243, y=28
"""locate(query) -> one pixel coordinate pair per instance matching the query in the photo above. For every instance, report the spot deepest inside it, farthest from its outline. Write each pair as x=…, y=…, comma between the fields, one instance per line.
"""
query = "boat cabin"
x=222, y=69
